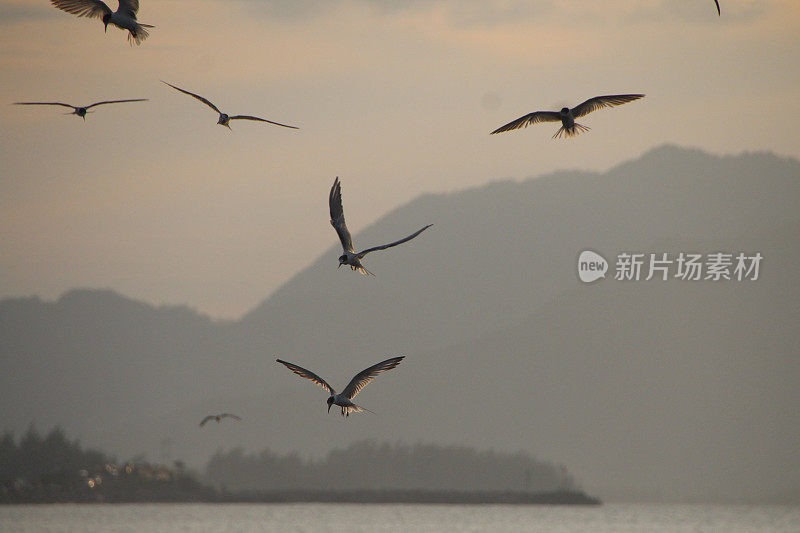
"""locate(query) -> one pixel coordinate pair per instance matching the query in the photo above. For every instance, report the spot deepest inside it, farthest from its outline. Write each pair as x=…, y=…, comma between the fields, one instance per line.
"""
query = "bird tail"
x=571, y=132
x=138, y=33
x=358, y=409
x=362, y=270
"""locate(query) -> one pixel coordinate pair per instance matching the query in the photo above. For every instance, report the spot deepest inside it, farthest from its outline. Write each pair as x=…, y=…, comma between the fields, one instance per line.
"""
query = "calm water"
x=368, y=518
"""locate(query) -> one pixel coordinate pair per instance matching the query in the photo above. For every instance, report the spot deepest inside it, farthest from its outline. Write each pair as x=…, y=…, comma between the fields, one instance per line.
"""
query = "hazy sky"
x=395, y=97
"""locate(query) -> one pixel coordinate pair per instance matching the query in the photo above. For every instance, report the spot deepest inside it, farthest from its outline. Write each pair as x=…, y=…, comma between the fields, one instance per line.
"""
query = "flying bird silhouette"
x=218, y=418
x=123, y=18
x=567, y=116
x=224, y=119
x=81, y=111
x=359, y=381
x=350, y=256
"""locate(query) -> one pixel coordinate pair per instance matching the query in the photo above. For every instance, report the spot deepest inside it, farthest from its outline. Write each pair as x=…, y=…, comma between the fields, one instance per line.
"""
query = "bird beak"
x=106, y=27
x=329, y=408
x=340, y=266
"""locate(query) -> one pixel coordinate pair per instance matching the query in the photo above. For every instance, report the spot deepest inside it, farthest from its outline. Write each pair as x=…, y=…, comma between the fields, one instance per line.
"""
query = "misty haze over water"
x=644, y=390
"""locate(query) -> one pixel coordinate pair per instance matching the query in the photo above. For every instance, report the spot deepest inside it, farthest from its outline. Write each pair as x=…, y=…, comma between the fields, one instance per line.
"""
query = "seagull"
x=217, y=418
x=123, y=18
x=224, y=120
x=718, y=11
x=344, y=400
x=81, y=111
x=567, y=116
x=350, y=256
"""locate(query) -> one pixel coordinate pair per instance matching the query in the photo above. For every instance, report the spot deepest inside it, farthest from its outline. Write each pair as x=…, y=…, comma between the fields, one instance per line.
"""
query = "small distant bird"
x=123, y=18
x=718, y=11
x=217, y=418
x=344, y=400
x=350, y=256
x=224, y=120
x=567, y=116
x=81, y=111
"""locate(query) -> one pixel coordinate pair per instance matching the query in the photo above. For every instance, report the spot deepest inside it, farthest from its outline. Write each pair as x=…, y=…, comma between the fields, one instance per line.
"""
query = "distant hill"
x=374, y=466
x=644, y=389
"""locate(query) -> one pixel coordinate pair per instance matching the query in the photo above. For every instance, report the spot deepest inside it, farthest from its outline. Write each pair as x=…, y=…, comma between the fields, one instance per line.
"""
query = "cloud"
x=462, y=13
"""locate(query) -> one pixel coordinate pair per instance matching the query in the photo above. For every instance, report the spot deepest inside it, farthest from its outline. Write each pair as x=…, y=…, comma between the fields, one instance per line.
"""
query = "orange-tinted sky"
x=395, y=97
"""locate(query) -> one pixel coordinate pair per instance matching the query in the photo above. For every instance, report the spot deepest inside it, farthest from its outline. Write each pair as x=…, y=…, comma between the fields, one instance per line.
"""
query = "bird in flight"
x=350, y=256
x=359, y=381
x=224, y=119
x=81, y=111
x=567, y=116
x=123, y=18
x=217, y=418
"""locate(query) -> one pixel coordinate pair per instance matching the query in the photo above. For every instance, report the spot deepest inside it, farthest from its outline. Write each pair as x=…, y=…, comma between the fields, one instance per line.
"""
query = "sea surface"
x=399, y=517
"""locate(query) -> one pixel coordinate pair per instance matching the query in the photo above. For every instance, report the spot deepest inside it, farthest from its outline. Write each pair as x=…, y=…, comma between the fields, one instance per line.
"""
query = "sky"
x=397, y=98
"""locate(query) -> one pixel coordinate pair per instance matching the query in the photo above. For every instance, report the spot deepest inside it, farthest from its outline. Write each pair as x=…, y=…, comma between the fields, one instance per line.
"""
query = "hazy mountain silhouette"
x=644, y=389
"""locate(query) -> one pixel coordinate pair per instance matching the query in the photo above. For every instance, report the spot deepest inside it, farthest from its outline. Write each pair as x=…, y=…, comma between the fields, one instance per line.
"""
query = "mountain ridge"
x=500, y=260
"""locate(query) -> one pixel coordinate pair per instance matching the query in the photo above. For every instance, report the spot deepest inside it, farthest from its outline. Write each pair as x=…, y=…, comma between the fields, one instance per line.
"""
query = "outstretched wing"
x=206, y=419
x=599, y=102
x=229, y=415
x=116, y=102
x=395, y=243
x=530, y=118
x=129, y=6
x=365, y=376
x=248, y=117
x=209, y=104
x=83, y=8
x=718, y=11
x=45, y=103
x=302, y=372
x=337, y=216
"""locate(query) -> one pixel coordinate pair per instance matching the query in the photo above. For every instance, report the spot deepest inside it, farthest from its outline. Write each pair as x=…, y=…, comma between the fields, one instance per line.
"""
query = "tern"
x=123, y=18
x=345, y=399
x=567, y=116
x=81, y=111
x=350, y=256
x=218, y=418
x=224, y=119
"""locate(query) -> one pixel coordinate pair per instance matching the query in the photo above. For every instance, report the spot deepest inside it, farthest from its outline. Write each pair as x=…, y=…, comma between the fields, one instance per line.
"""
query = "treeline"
x=48, y=459
x=371, y=466
x=51, y=468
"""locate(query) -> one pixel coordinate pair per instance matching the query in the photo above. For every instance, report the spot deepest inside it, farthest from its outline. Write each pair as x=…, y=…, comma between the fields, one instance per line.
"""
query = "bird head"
x=565, y=111
x=330, y=403
x=106, y=20
x=342, y=260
